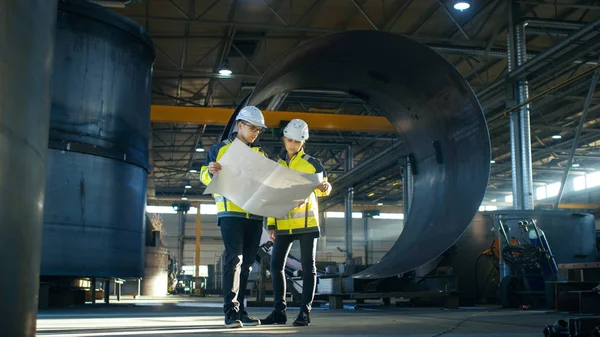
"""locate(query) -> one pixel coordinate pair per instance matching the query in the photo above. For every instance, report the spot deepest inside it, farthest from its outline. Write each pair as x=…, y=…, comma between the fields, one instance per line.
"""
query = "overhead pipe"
x=518, y=73
x=559, y=4
x=26, y=44
x=529, y=22
x=116, y=4
x=586, y=108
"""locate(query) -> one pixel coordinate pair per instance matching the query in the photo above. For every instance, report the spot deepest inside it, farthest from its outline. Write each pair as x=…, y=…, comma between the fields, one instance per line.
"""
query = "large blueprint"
x=259, y=185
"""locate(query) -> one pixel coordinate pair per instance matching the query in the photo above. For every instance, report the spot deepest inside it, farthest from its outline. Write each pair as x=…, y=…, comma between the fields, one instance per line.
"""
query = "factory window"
x=340, y=215
x=552, y=190
x=508, y=198
x=208, y=209
x=540, y=193
x=593, y=180
x=358, y=215
x=205, y=209
x=579, y=183
x=397, y=216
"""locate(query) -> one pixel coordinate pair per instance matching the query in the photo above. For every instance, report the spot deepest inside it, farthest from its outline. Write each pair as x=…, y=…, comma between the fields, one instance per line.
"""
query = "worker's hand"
x=272, y=235
x=214, y=167
x=324, y=186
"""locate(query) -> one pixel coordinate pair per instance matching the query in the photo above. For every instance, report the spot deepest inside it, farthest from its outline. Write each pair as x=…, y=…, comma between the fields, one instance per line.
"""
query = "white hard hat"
x=252, y=114
x=296, y=129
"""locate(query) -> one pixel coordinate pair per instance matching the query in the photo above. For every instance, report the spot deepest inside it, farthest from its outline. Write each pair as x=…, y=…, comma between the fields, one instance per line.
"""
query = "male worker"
x=241, y=231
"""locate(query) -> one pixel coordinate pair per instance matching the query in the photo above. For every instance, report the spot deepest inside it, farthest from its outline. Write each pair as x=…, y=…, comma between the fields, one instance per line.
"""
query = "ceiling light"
x=199, y=149
x=575, y=165
x=461, y=5
x=183, y=198
x=379, y=204
x=225, y=72
x=492, y=161
x=188, y=185
x=225, y=69
x=193, y=171
x=371, y=194
x=556, y=137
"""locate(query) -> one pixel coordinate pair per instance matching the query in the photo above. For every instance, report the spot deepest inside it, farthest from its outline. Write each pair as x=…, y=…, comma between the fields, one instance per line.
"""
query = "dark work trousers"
x=279, y=254
x=241, y=238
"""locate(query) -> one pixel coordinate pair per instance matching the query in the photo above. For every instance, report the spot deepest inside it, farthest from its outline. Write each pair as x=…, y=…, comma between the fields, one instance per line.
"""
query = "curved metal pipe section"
x=434, y=110
x=98, y=147
x=26, y=46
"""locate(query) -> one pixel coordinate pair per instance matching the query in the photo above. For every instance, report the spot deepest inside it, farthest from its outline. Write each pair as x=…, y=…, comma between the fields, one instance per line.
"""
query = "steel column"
x=197, y=255
x=586, y=107
x=348, y=200
x=520, y=135
x=26, y=54
x=366, y=238
x=182, y=210
x=407, y=186
x=524, y=123
x=180, y=241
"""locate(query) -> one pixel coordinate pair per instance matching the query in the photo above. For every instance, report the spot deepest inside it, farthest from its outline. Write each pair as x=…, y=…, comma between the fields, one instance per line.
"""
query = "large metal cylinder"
x=26, y=43
x=98, y=148
x=432, y=107
x=156, y=272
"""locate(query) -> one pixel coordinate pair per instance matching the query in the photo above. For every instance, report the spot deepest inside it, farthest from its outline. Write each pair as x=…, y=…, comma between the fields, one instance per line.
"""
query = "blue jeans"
x=279, y=254
x=241, y=238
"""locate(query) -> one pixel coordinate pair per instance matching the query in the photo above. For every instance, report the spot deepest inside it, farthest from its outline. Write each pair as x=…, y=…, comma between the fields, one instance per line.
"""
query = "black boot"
x=248, y=320
x=303, y=319
x=276, y=317
x=232, y=319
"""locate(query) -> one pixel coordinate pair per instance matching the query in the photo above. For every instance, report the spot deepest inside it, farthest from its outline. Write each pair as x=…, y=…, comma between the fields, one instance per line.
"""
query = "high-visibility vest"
x=225, y=208
x=303, y=219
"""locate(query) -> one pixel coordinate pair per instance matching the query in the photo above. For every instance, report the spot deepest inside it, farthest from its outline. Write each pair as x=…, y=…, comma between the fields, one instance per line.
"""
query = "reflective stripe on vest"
x=220, y=198
x=300, y=215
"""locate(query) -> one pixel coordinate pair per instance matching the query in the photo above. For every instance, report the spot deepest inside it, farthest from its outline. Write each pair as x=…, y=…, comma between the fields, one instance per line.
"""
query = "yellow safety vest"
x=304, y=219
x=225, y=208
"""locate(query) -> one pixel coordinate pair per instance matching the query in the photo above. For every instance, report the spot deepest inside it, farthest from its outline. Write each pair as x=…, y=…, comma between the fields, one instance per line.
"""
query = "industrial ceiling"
x=194, y=39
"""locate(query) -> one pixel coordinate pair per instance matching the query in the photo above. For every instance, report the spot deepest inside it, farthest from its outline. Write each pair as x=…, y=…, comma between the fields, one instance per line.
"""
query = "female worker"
x=301, y=224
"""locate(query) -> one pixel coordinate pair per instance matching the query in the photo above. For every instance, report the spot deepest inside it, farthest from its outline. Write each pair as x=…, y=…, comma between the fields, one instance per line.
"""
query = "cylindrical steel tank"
x=156, y=272
x=570, y=236
x=98, y=144
x=26, y=42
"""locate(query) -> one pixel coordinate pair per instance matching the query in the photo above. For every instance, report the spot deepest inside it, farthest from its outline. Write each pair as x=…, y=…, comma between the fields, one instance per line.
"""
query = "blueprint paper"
x=260, y=185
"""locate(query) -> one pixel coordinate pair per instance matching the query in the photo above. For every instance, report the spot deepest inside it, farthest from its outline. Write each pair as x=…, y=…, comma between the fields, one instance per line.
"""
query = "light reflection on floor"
x=205, y=318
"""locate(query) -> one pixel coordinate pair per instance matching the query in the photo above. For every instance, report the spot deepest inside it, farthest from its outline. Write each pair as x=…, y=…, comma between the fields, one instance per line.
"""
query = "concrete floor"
x=179, y=316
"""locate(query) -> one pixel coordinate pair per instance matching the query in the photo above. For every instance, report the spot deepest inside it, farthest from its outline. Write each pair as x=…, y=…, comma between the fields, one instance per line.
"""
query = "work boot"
x=276, y=317
x=232, y=319
x=303, y=319
x=248, y=320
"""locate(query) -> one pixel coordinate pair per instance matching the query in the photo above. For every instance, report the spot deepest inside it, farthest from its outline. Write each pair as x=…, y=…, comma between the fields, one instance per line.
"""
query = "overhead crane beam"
x=316, y=121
